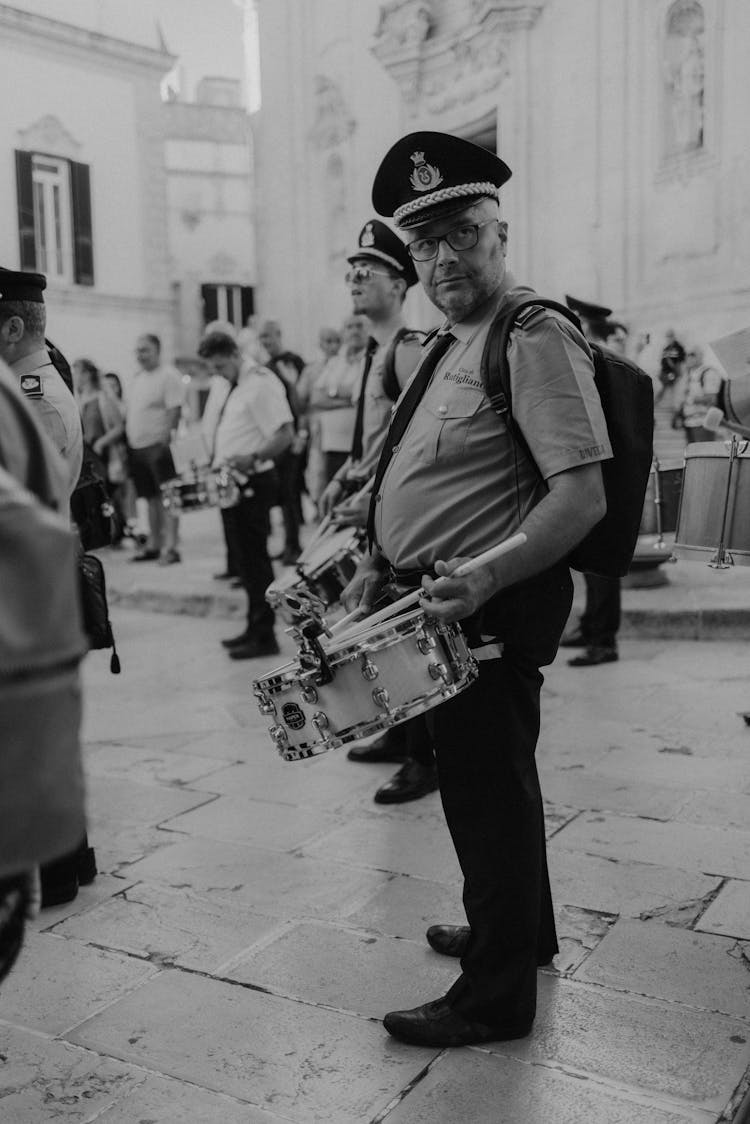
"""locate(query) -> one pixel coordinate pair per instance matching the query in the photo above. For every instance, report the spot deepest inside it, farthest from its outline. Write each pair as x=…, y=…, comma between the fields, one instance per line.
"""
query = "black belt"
x=411, y=579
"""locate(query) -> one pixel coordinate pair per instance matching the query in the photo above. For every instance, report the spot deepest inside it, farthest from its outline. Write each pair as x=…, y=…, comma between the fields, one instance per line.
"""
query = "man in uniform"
x=23, y=322
x=450, y=484
x=382, y=272
x=600, y=621
x=255, y=425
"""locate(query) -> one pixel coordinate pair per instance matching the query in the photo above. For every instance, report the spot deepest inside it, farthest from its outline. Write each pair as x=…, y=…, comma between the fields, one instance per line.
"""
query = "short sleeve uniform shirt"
x=254, y=411
x=378, y=407
x=55, y=407
x=457, y=484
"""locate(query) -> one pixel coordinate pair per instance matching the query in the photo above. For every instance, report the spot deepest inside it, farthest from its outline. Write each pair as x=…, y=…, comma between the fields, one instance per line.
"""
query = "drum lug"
x=439, y=671
x=382, y=698
x=321, y=723
x=267, y=706
x=369, y=669
x=309, y=694
x=279, y=737
x=425, y=643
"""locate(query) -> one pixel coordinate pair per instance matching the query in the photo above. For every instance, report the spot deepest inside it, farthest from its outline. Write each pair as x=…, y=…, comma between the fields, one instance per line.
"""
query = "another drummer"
x=380, y=274
x=453, y=486
x=254, y=426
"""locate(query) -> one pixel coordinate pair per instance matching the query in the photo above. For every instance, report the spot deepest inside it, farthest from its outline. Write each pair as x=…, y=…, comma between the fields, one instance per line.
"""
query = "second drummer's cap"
x=427, y=175
x=587, y=310
x=18, y=285
x=379, y=242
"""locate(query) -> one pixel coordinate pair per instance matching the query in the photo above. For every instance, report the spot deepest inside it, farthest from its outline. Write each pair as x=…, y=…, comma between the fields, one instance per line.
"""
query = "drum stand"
x=722, y=560
x=660, y=544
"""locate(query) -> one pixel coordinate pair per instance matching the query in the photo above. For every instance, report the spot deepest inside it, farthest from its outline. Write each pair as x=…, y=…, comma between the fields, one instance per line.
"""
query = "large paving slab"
x=623, y=886
x=663, y=1049
x=472, y=1087
x=157, y=765
x=112, y=801
x=303, y=1062
x=711, y=850
x=162, y=1100
x=280, y=885
x=697, y=969
x=42, y=1080
x=346, y=969
x=57, y=983
x=238, y=819
x=586, y=789
x=729, y=912
x=172, y=927
x=420, y=847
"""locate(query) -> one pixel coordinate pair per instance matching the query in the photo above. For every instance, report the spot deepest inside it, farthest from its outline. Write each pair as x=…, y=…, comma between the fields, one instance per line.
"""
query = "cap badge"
x=367, y=237
x=425, y=176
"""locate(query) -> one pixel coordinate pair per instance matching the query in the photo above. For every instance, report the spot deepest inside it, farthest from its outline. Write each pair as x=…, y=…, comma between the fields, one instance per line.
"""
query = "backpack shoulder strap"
x=390, y=381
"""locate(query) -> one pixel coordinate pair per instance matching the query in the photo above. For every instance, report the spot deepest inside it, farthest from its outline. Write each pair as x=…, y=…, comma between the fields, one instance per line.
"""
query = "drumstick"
x=416, y=595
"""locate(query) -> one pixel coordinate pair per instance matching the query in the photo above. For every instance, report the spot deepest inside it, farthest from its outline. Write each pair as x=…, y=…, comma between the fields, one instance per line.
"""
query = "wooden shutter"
x=210, y=303
x=25, y=193
x=83, y=243
x=247, y=298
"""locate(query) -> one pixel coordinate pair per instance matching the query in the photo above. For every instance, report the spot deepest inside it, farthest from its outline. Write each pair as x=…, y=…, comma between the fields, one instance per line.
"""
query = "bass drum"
x=713, y=522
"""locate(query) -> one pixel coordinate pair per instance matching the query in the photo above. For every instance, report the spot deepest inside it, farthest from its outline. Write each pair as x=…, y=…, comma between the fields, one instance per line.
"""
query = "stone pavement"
x=254, y=919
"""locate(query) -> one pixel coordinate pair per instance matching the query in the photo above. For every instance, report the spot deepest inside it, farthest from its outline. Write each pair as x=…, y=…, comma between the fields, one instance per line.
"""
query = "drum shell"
x=192, y=493
x=708, y=491
x=417, y=662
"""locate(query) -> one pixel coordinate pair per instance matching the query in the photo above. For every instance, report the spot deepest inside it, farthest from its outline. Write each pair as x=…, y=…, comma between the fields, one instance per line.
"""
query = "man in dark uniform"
x=450, y=484
x=600, y=621
x=381, y=273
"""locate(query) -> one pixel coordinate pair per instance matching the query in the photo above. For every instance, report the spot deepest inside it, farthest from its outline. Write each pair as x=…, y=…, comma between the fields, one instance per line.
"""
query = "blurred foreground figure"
x=41, y=645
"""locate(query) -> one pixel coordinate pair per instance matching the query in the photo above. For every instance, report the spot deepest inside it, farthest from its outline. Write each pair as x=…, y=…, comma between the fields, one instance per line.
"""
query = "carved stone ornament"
x=457, y=72
x=333, y=122
x=48, y=135
x=404, y=23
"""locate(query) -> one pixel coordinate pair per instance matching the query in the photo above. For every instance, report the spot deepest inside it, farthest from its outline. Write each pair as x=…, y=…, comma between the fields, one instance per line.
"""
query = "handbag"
x=94, y=607
x=90, y=506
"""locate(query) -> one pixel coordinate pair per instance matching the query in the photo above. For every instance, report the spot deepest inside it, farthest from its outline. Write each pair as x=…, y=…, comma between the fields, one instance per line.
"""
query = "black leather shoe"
x=574, y=640
x=237, y=641
x=452, y=940
x=145, y=556
x=390, y=746
x=410, y=783
x=254, y=647
x=437, y=1024
x=86, y=865
x=593, y=656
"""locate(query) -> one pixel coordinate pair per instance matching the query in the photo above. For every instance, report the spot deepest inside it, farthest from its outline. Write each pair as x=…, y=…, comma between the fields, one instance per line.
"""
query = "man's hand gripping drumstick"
x=462, y=585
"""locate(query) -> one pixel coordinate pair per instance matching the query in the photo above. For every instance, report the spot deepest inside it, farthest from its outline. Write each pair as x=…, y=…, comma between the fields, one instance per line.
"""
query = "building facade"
x=623, y=120
x=82, y=184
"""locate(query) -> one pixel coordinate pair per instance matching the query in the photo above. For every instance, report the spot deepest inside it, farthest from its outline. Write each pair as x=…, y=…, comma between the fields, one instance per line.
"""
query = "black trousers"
x=232, y=563
x=247, y=528
x=600, y=620
x=290, y=498
x=485, y=741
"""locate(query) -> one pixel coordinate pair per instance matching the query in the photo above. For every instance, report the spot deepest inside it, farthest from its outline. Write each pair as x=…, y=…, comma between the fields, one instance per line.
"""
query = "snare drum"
x=324, y=569
x=379, y=677
x=191, y=492
x=713, y=523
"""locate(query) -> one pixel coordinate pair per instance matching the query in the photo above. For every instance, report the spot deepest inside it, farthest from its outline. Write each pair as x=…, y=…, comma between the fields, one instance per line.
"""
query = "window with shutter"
x=54, y=217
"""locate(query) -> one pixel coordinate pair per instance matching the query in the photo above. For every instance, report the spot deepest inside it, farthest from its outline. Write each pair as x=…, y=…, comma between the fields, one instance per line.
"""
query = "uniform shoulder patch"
x=529, y=314
x=31, y=385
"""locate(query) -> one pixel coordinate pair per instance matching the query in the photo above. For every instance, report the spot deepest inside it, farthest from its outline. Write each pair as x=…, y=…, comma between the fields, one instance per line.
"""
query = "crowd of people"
x=390, y=433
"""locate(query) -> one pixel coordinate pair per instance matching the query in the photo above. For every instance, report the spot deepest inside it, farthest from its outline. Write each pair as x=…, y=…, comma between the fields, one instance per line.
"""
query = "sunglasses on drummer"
x=460, y=238
x=362, y=273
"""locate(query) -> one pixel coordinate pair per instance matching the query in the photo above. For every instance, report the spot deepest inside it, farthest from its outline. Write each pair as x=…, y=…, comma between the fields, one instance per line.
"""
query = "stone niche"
x=449, y=59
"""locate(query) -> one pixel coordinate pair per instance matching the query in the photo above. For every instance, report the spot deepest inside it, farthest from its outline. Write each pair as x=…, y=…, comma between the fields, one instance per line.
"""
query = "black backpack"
x=627, y=397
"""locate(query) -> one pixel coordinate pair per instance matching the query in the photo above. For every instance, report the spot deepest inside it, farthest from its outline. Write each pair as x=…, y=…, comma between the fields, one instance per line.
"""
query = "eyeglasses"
x=460, y=238
x=363, y=273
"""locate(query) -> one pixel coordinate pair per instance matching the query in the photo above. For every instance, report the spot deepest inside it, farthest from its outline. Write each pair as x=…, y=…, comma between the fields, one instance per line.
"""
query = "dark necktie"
x=403, y=415
x=356, y=453
x=219, y=417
